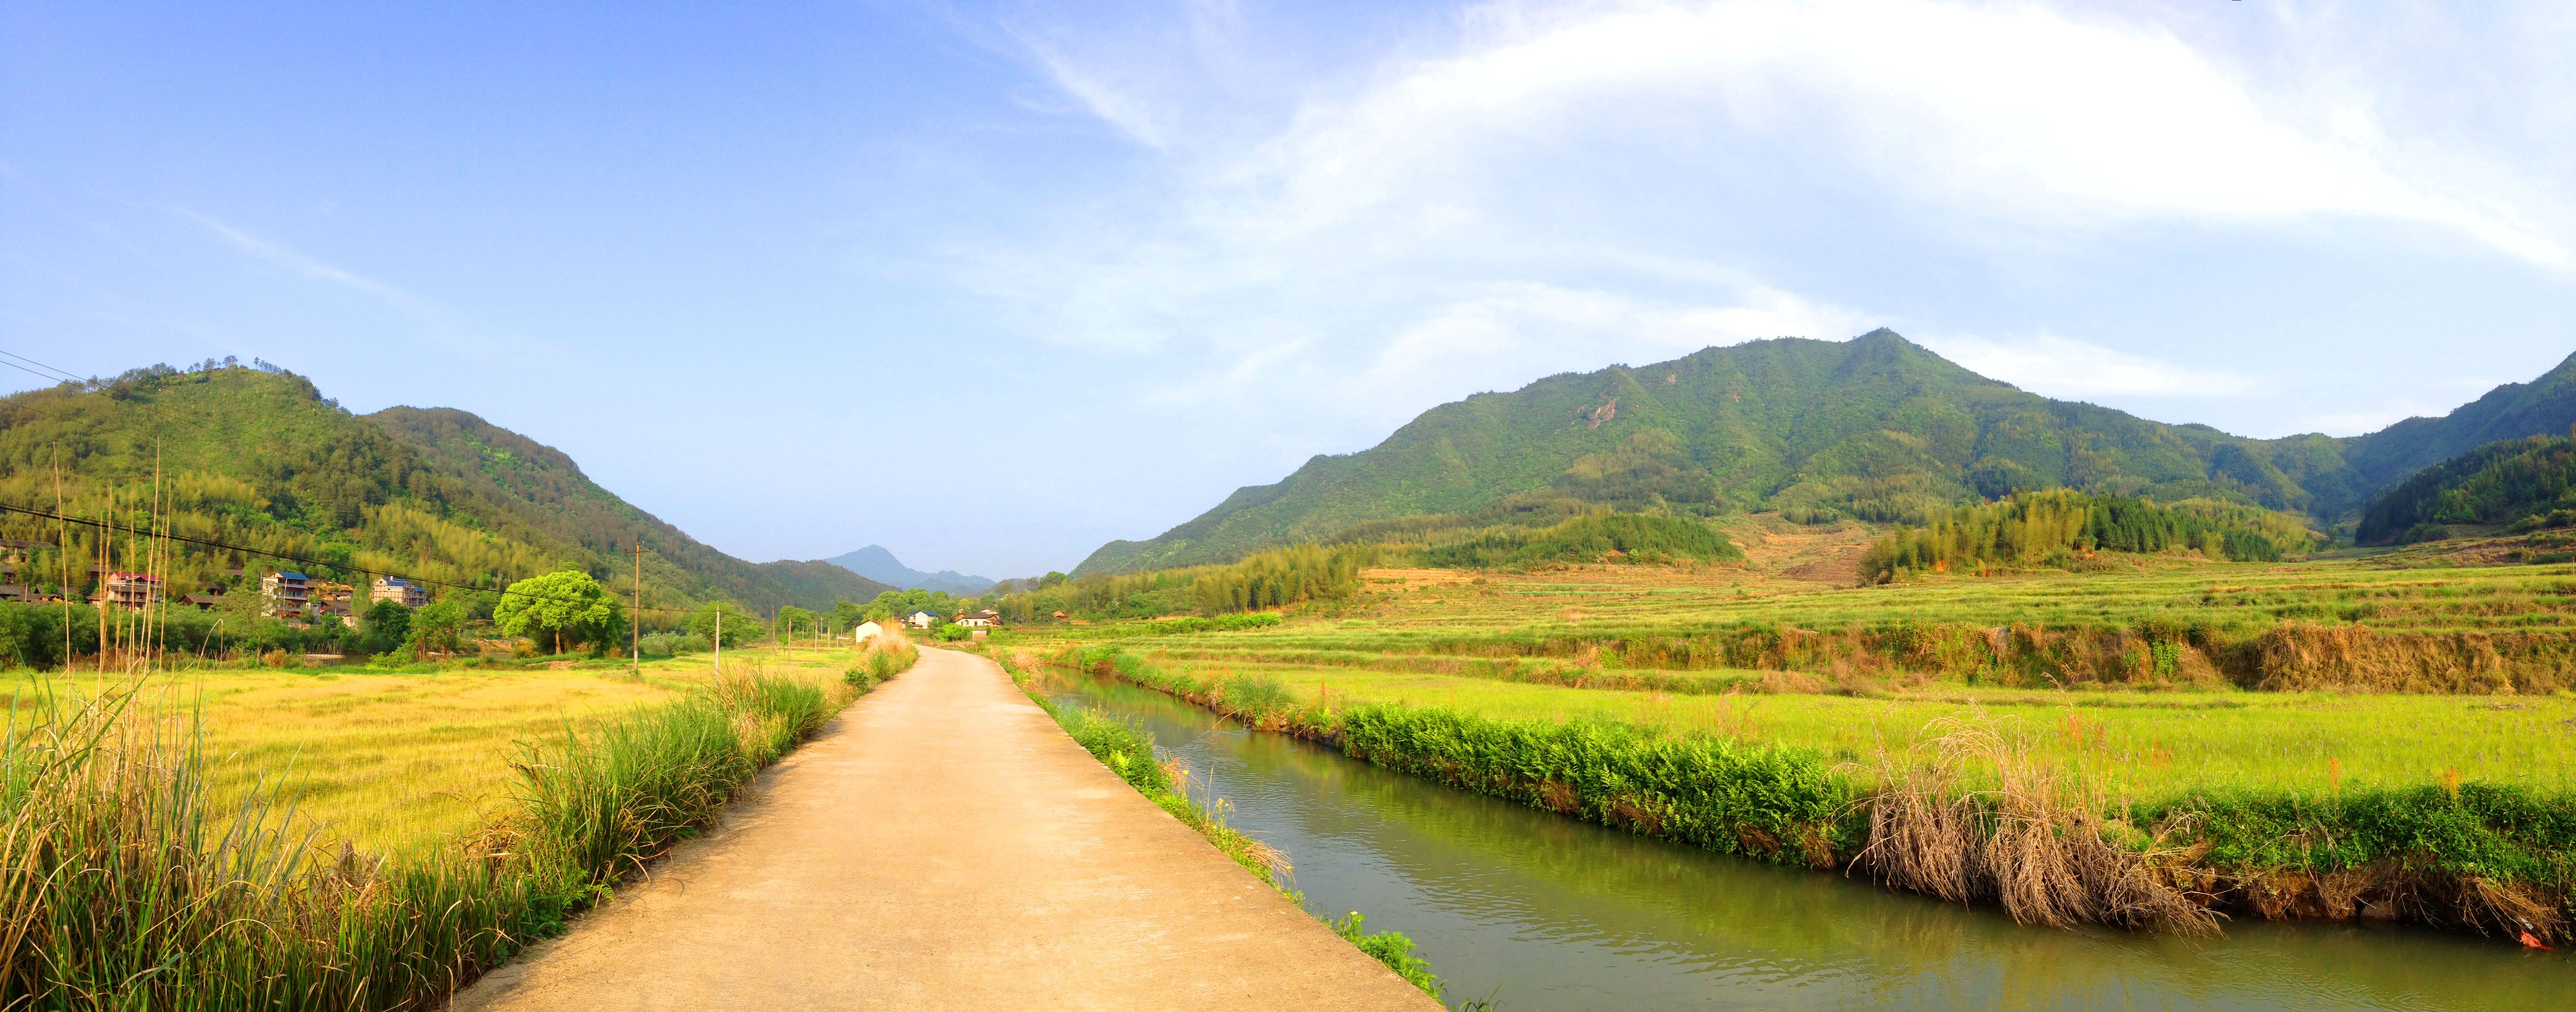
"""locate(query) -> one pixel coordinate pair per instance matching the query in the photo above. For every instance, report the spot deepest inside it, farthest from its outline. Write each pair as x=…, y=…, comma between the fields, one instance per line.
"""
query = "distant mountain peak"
x=877, y=563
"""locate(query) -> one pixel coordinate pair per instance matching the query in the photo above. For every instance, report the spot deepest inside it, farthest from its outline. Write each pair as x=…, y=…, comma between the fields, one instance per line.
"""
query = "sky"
x=990, y=284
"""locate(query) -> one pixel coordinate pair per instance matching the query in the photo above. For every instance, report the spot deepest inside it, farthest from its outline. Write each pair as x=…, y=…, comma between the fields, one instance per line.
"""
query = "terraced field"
x=1600, y=642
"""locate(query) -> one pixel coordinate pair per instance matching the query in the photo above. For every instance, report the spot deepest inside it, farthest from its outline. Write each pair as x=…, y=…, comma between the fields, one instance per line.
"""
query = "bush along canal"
x=1636, y=901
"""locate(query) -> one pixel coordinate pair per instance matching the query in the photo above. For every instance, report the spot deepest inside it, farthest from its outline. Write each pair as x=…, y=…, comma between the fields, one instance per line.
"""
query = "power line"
x=266, y=553
x=33, y=362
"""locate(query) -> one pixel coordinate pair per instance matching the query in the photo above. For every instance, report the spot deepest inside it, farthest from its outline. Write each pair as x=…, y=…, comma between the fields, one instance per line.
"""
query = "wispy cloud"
x=1512, y=333
x=305, y=265
x=2063, y=367
x=1110, y=101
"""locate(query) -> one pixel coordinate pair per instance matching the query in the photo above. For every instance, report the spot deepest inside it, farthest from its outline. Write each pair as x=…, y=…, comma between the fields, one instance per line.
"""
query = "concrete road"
x=944, y=846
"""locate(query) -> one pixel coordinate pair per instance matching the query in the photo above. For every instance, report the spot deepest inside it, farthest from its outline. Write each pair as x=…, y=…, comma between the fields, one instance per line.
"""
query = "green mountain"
x=1876, y=427
x=261, y=459
x=2527, y=483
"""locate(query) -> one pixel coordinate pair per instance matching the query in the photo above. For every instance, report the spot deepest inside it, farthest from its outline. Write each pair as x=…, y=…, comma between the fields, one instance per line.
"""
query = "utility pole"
x=635, y=649
x=719, y=607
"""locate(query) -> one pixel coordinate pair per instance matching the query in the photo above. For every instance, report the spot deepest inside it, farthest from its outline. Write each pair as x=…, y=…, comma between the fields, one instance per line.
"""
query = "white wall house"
x=920, y=619
x=865, y=632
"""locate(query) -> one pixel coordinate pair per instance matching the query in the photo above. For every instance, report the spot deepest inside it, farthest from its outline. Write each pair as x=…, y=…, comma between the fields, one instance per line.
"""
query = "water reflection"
x=1558, y=915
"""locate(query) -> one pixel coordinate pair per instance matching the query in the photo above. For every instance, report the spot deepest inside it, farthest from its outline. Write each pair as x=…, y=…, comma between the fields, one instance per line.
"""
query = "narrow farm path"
x=945, y=846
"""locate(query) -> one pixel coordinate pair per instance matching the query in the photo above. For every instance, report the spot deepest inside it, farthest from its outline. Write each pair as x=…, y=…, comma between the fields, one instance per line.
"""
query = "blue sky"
x=992, y=284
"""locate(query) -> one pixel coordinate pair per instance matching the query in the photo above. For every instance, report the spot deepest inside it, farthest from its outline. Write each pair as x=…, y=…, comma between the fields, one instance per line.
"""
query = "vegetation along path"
x=946, y=846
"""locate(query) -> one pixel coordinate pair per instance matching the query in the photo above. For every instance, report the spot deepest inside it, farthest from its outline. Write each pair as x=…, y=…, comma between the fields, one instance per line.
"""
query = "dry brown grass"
x=2307, y=657
x=2039, y=843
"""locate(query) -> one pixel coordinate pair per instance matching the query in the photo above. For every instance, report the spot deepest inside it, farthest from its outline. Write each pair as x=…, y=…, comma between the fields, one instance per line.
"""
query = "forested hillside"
x=2527, y=483
x=1875, y=428
x=261, y=459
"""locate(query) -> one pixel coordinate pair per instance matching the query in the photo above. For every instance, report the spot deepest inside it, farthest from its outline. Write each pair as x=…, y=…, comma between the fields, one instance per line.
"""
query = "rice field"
x=407, y=759
x=2149, y=746
x=1433, y=637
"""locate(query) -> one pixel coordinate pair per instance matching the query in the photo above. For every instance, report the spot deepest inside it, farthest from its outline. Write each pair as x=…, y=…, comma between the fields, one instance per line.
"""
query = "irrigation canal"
x=1553, y=915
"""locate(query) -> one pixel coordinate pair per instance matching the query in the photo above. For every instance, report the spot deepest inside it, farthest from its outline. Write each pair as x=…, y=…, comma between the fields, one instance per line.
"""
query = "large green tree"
x=387, y=625
x=439, y=626
x=566, y=606
x=794, y=621
x=739, y=626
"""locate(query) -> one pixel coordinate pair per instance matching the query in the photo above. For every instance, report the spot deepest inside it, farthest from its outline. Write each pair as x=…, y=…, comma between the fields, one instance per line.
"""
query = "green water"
x=1550, y=914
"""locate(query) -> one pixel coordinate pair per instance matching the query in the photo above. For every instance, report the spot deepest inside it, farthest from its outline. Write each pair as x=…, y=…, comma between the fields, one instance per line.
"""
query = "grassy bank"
x=1129, y=752
x=1975, y=809
x=134, y=880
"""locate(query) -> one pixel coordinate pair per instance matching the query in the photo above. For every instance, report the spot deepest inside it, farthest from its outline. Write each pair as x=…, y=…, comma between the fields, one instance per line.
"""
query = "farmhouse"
x=984, y=619
x=399, y=591
x=129, y=590
x=287, y=593
x=330, y=598
x=920, y=620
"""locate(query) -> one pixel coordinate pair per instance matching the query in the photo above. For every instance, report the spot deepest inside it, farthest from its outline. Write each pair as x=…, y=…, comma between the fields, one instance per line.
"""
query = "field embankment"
x=145, y=871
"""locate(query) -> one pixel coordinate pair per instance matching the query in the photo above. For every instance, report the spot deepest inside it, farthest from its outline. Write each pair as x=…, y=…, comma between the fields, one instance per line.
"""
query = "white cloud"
x=1513, y=333
x=2062, y=367
x=2018, y=112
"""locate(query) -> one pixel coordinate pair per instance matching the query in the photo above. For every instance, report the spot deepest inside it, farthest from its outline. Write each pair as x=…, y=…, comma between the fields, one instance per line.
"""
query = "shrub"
x=668, y=644
x=1256, y=698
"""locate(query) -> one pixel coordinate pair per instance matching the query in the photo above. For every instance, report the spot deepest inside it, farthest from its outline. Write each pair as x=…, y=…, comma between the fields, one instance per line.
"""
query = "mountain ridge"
x=876, y=562
x=257, y=457
x=1875, y=427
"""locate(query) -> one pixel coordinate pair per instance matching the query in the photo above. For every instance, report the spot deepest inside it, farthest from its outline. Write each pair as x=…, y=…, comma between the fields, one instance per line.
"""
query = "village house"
x=865, y=632
x=984, y=619
x=920, y=620
x=287, y=593
x=129, y=590
x=331, y=599
x=397, y=590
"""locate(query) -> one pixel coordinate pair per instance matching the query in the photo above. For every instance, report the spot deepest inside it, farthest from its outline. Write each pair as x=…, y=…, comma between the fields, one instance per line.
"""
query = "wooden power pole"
x=635, y=628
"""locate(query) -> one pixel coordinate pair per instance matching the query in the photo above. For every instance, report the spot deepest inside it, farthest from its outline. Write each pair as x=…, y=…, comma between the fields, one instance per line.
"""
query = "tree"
x=440, y=626
x=739, y=626
x=793, y=621
x=386, y=625
x=566, y=605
